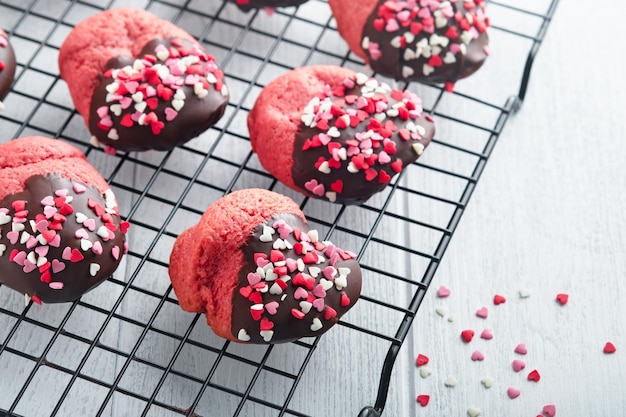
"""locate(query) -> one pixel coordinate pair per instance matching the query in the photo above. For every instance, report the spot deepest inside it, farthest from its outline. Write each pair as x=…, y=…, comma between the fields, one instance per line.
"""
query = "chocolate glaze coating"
x=196, y=116
x=286, y=326
x=394, y=61
x=56, y=265
x=247, y=5
x=7, y=57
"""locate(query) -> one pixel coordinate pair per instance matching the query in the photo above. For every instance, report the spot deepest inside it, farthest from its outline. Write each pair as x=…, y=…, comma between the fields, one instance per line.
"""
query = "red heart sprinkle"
x=124, y=226
x=534, y=376
x=329, y=313
x=396, y=166
x=562, y=298
x=337, y=186
x=127, y=121
x=76, y=256
x=370, y=174
x=498, y=299
x=345, y=300
x=49, y=235
x=421, y=360
x=609, y=348
x=297, y=313
x=549, y=410
x=255, y=298
x=423, y=399
x=20, y=205
x=467, y=335
x=266, y=324
x=310, y=258
x=256, y=314
x=383, y=177
x=276, y=256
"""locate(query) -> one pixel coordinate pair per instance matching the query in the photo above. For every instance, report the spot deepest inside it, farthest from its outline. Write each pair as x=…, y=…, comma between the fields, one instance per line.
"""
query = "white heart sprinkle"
x=93, y=269
x=163, y=54
x=199, y=90
x=307, y=119
x=524, y=293
x=4, y=218
x=17, y=227
x=396, y=42
x=344, y=272
x=441, y=311
x=137, y=97
x=317, y=324
x=409, y=54
x=267, y=335
x=427, y=70
x=85, y=244
x=41, y=261
x=26, y=299
x=180, y=95
x=324, y=168
x=279, y=244
x=25, y=237
x=265, y=238
x=80, y=218
x=243, y=335
x=449, y=58
x=333, y=132
x=140, y=107
x=305, y=306
x=451, y=319
x=313, y=235
x=440, y=21
x=425, y=371
x=3, y=248
x=275, y=289
x=451, y=382
x=314, y=271
x=466, y=37
x=178, y=104
x=103, y=232
x=473, y=412
x=487, y=382
x=418, y=148
x=341, y=283
x=326, y=284
x=352, y=168
x=116, y=109
x=113, y=134
x=331, y=196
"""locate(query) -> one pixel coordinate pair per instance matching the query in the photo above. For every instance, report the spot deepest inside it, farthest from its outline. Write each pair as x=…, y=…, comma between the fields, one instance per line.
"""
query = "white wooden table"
x=546, y=216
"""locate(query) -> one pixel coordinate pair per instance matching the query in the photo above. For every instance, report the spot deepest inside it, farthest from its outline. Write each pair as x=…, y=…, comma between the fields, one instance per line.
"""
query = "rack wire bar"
x=126, y=347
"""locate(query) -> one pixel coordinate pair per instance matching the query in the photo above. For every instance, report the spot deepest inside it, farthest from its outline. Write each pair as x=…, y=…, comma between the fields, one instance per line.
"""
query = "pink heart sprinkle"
x=328, y=272
x=56, y=242
x=324, y=138
x=253, y=278
x=319, y=304
x=42, y=250
x=482, y=312
x=424, y=13
x=261, y=262
x=271, y=307
x=521, y=349
x=13, y=236
x=67, y=253
x=478, y=356
x=56, y=285
x=32, y=242
x=384, y=158
x=310, y=185
x=57, y=266
x=42, y=226
x=486, y=334
x=116, y=252
x=49, y=211
x=89, y=224
x=392, y=25
x=81, y=233
x=319, y=190
x=79, y=188
x=443, y=292
x=97, y=248
x=381, y=107
x=62, y=192
x=126, y=102
x=404, y=15
x=319, y=291
x=300, y=293
x=291, y=264
x=513, y=393
x=150, y=91
x=455, y=48
x=549, y=410
x=47, y=201
x=170, y=114
x=29, y=266
x=125, y=247
x=518, y=365
x=102, y=111
x=20, y=258
x=131, y=86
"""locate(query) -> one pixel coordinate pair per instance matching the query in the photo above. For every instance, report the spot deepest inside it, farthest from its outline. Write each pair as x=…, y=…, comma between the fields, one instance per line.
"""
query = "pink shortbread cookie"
x=318, y=130
x=60, y=230
x=141, y=82
x=257, y=272
x=431, y=40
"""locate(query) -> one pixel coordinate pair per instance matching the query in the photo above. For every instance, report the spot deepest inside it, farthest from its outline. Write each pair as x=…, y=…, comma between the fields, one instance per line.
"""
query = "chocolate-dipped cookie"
x=431, y=40
x=60, y=230
x=7, y=66
x=141, y=82
x=337, y=135
x=252, y=265
x=247, y=5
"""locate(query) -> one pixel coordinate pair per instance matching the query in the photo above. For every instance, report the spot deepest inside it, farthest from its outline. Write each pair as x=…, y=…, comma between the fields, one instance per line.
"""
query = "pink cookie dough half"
x=252, y=265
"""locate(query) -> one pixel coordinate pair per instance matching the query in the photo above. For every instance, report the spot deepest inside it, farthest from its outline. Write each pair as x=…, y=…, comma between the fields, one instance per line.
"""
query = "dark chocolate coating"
x=393, y=59
x=7, y=56
x=197, y=115
x=257, y=4
x=287, y=327
x=75, y=275
x=356, y=188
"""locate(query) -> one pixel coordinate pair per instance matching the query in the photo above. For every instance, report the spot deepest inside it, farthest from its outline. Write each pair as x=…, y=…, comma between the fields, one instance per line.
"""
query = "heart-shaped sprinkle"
x=562, y=298
x=518, y=365
x=267, y=335
x=513, y=392
x=13, y=237
x=534, y=376
x=486, y=334
x=473, y=412
x=56, y=285
x=487, y=382
x=443, y=291
x=478, y=356
x=609, y=348
x=80, y=234
x=67, y=253
x=549, y=410
x=524, y=293
x=425, y=371
x=498, y=299
x=47, y=201
x=90, y=224
x=97, y=248
x=450, y=382
x=421, y=360
x=441, y=311
x=4, y=218
x=93, y=269
x=316, y=325
x=423, y=399
x=271, y=307
x=85, y=244
x=319, y=304
x=115, y=251
x=243, y=335
x=57, y=266
x=482, y=312
x=521, y=349
x=467, y=335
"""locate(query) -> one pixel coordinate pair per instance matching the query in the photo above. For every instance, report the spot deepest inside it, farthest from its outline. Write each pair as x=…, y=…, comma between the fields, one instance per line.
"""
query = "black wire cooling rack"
x=126, y=349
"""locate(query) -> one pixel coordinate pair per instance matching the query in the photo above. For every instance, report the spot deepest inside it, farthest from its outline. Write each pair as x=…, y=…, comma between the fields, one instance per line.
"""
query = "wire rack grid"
x=126, y=348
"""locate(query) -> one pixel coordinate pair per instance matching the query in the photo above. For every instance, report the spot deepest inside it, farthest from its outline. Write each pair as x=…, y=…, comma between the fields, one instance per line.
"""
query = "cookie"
x=60, y=230
x=337, y=135
x=440, y=41
x=141, y=82
x=7, y=66
x=252, y=265
x=247, y=5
